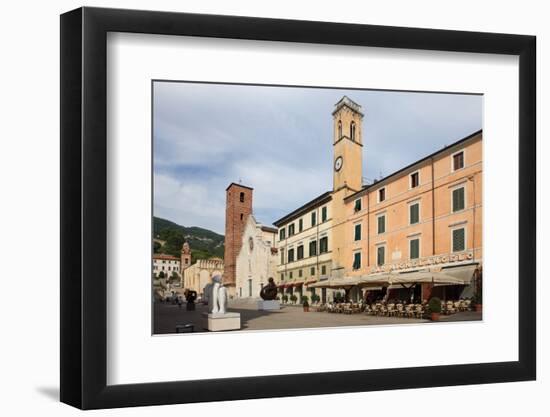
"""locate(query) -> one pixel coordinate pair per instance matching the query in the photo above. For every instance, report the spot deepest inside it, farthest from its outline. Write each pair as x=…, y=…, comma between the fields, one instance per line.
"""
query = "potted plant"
x=434, y=307
x=305, y=303
x=293, y=298
x=477, y=302
x=315, y=298
x=284, y=298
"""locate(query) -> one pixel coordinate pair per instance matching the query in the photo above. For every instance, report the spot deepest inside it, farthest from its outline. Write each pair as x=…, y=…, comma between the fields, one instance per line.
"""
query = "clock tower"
x=347, y=173
x=348, y=145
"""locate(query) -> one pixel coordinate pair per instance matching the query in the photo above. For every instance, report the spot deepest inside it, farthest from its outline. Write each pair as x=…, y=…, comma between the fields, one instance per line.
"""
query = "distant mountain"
x=169, y=237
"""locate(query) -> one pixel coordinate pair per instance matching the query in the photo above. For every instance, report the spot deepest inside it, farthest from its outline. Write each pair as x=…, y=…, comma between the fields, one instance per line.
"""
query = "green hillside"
x=204, y=243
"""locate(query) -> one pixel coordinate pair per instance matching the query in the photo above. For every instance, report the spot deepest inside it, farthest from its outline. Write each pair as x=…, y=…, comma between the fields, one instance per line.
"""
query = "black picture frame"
x=84, y=207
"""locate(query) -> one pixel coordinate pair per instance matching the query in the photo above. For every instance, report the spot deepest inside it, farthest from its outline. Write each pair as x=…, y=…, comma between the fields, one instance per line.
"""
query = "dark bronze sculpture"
x=269, y=291
x=190, y=297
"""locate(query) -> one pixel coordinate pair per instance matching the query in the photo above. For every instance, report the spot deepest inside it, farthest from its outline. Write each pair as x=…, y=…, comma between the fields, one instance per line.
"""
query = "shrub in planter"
x=434, y=307
x=305, y=303
x=285, y=299
x=315, y=298
x=477, y=302
x=293, y=298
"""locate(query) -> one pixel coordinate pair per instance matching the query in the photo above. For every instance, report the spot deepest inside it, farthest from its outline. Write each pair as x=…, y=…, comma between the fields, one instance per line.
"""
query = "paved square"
x=167, y=316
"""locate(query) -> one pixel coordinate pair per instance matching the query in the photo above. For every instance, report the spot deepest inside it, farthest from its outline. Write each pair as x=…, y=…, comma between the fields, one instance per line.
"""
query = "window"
x=357, y=260
x=381, y=194
x=459, y=240
x=458, y=161
x=291, y=255
x=290, y=275
x=186, y=261
x=414, y=248
x=300, y=225
x=240, y=292
x=282, y=277
x=250, y=288
x=291, y=230
x=357, y=206
x=282, y=234
x=241, y=197
x=357, y=234
x=282, y=256
x=324, y=214
x=313, y=219
x=312, y=271
x=380, y=255
x=242, y=216
x=415, y=180
x=339, y=129
x=352, y=131
x=381, y=224
x=323, y=270
x=300, y=273
x=458, y=199
x=313, y=248
x=323, y=245
x=300, y=254
x=414, y=213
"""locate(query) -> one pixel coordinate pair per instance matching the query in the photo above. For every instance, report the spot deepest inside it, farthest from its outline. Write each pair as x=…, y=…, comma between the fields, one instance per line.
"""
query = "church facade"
x=257, y=259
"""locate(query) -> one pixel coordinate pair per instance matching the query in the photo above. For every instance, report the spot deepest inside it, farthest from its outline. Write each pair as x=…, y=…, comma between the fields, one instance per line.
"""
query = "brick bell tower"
x=238, y=206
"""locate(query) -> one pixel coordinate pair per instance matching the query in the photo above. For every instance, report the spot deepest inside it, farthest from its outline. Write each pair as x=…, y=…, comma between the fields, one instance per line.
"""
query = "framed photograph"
x=258, y=208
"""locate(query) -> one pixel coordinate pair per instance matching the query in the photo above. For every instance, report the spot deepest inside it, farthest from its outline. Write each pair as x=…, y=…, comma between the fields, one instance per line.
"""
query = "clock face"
x=338, y=163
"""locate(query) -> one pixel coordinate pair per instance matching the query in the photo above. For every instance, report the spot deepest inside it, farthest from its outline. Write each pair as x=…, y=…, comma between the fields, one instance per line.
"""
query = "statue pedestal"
x=269, y=305
x=216, y=322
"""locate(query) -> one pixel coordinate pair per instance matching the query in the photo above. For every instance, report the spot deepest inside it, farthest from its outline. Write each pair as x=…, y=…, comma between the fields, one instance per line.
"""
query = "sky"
x=278, y=140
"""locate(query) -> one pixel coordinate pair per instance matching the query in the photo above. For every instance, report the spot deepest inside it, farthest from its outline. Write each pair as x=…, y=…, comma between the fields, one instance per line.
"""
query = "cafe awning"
x=375, y=280
x=464, y=273
x=336, y=283
x=393, y=279
x=426, y=277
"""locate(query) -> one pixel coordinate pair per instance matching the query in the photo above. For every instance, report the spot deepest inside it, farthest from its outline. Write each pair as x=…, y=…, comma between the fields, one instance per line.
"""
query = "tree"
x=174, y=276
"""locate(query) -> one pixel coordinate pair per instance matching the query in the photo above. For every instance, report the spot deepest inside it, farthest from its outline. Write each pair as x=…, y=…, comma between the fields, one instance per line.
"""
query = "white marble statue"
x=217, y=296
x=222, y=299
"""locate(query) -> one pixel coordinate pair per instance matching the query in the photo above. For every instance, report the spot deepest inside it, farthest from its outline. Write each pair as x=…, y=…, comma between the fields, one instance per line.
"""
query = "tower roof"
x=234, y=184
x=348, y=102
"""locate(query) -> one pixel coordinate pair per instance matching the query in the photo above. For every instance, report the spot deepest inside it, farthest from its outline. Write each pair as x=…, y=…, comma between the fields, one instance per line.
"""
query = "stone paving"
x=167, y=316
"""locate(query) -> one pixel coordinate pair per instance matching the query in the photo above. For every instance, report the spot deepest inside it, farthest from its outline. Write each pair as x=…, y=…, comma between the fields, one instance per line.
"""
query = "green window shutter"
x=313, y=248
x=357, y=232
x=313, y=219
x=380, y=255
x=357, y=260
x=323, y=214
x=459, y=240
x=381, y=224
x=458, y=199
x=414, y=213
x=357, y=205
x=414, y=248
